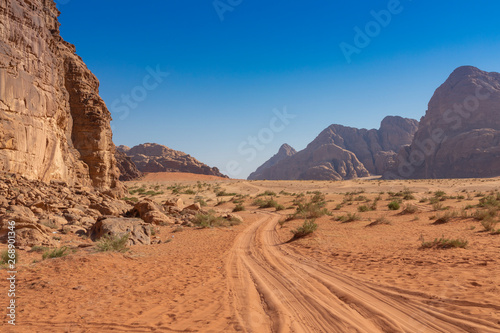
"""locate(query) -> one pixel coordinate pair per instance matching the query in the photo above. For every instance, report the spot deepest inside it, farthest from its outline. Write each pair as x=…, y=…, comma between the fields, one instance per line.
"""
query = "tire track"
x=275, y=289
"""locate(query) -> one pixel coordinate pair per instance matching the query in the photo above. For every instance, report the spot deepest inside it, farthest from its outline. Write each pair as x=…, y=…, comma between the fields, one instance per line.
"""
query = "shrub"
x=113, y=243
x=268, y=193
x=39, y=249
x=409, y=209
x=307, y=228
x=379, y=221
x=363, y=208
x=393, y=205
x=489, y=224
x=444, y=243
x=350, y=217
x=225, y=194
x=56, y=253
x=5, y=256
x=238, y=208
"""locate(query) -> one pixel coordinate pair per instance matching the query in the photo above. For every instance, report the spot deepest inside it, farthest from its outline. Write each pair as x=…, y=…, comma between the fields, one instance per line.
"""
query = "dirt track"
x=276, y=290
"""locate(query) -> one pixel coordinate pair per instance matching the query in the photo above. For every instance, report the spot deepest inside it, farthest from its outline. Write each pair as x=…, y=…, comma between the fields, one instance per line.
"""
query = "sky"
x=230, y=81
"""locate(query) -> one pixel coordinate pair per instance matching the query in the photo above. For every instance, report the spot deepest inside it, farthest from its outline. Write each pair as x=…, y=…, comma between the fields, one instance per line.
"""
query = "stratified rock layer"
x=459, y=137
x=53, y=124
x=152, y=157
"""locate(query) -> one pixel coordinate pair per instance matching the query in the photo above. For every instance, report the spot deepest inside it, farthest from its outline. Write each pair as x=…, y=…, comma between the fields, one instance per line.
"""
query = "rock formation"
x=459, y=136
x=285, y=151
x=128, y=170
x=152, y=157
x=53, y=124
x=341, y=152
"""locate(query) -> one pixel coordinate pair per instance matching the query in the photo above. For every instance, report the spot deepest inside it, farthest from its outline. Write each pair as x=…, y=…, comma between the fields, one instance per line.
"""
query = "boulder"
x=138, y=231
x=150, y=212
x=28, y=231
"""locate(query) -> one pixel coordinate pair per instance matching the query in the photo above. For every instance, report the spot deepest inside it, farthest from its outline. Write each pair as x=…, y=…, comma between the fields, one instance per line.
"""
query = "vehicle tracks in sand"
x=275, y=289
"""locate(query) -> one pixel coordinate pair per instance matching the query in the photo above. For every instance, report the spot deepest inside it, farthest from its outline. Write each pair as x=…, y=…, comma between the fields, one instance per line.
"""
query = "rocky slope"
x=459, y=136
x=53, y=124
x=285, y=151
x=152, y=157
x=128, y=170
x=341, y=152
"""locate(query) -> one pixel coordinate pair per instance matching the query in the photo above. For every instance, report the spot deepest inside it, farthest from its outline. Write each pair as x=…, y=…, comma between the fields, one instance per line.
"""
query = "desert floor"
x=345, y=277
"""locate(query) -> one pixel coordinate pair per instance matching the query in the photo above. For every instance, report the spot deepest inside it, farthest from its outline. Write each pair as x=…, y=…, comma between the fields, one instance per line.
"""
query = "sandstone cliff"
x=152, y=157
x=53, y=124
x=128, y=170
x=285, y=151
x=341, y=152
x=459, y=136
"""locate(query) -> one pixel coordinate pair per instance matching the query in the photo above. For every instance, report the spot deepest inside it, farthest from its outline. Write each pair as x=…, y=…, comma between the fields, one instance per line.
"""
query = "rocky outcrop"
x=341, y=152
x=152, y=157
x=53, y=124
x=139, y=233
x=459, y=136
x=128, y=170
x=284, y=152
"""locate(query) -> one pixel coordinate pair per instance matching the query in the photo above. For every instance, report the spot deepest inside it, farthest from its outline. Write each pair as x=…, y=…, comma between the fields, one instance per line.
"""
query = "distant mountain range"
x=459, y=137
x=153, y=157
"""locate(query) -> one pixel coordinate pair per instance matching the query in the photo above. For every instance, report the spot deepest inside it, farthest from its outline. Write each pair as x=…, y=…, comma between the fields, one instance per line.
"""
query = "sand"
x=345, y=277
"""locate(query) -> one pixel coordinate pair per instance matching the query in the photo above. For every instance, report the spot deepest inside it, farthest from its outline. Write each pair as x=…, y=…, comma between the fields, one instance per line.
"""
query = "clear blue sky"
x=227, y=76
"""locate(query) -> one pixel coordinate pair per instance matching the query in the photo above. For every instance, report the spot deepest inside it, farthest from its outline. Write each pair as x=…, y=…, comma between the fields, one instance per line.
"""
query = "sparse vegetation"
x=238, y=208
x=445, y=243
x=307, y=228
x=379, y=221
x=113, y=243
x=394, y=205
x=56, y=253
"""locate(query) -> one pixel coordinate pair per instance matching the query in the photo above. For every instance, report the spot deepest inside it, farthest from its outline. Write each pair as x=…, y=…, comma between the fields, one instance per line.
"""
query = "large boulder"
x=28, y=231
x=138, y=231
x=150, y=212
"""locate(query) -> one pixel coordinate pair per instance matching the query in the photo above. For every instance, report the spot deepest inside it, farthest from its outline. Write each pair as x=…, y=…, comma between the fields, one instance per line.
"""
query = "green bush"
x=238, y=208
x=393, y=205
x=56, y=253
x=113, y=243
x=444, y=243
x=307, y=228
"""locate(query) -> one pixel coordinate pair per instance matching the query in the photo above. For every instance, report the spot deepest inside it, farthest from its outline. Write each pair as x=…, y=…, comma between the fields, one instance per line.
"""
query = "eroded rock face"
x=459, y=137
x=128, y=170
x=341, y=152
x=284, y=152
x=53, y=124
x=152, y=157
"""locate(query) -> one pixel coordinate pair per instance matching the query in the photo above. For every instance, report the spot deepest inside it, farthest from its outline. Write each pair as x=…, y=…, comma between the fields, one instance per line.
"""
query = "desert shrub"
x=153, y=193
x=201, y=201
x=409, y=209
x=267, y=193
x=338, y=207
x=350, y=217
x=238, y=208
x=225, y=194
x=5, y=256
x=363, y=208
x=379, y=221
x=489, y=224
x=188, y=192
x=268, y=203
x=56, y=253
x=446, y=217
x=393, y=205
x=484, y=214
x=307, y=228
x=444, y=243
x=208, y=220
x=113, y=243
x=39, y=249
x=438, y=206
